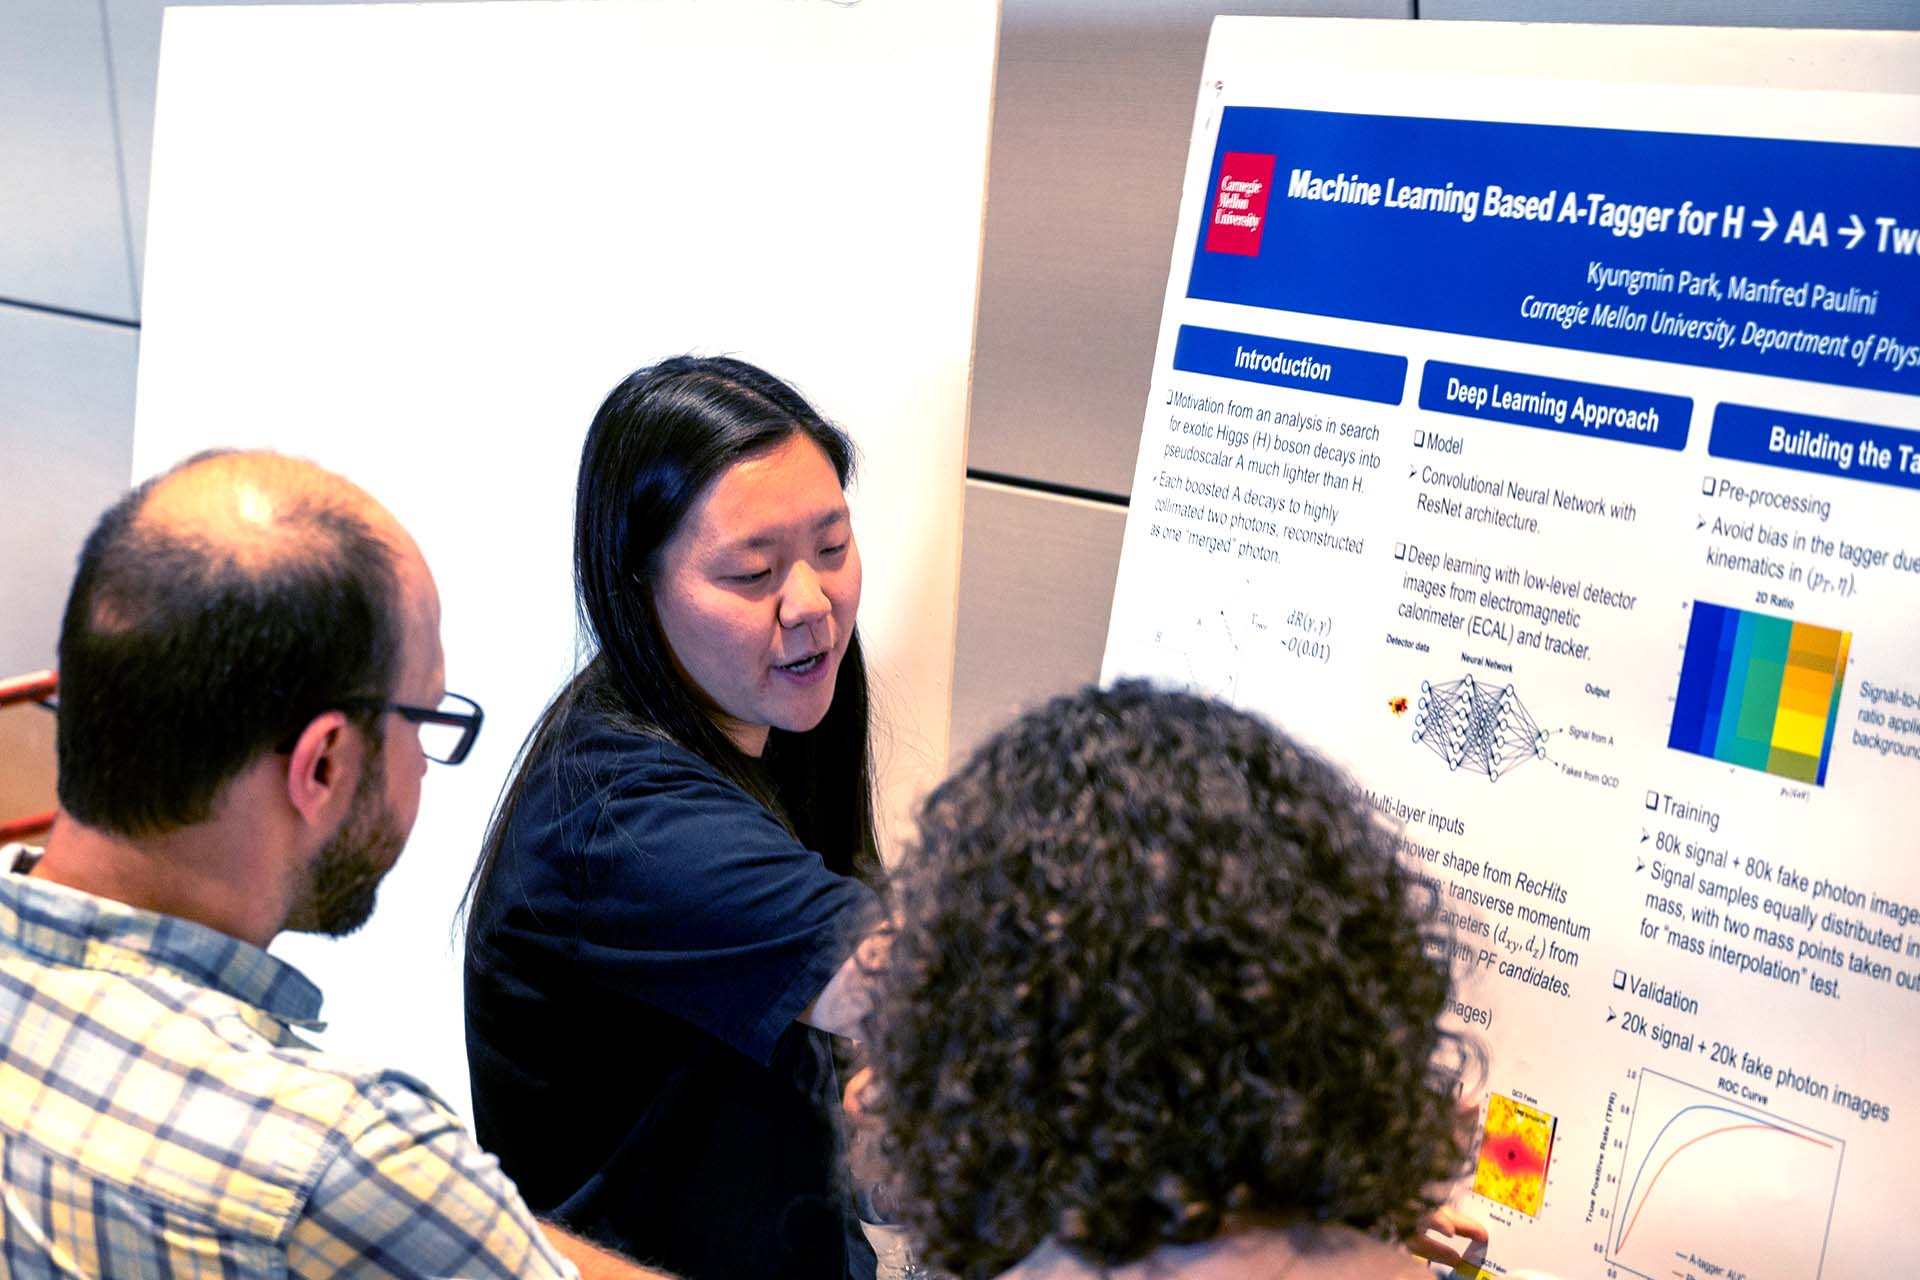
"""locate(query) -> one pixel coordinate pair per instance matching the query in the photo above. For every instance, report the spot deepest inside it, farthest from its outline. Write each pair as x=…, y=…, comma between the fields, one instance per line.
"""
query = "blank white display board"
x=420, y=243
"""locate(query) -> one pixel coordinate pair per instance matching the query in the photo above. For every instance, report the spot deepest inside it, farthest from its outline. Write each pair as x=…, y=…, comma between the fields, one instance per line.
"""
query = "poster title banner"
x=1796, y=259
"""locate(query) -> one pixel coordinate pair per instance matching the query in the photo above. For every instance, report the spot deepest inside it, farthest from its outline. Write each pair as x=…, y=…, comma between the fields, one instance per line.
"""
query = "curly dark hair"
x=1158, y=963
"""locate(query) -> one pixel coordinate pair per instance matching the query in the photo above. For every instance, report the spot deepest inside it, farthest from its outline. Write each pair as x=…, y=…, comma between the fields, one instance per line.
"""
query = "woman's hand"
x=1455, y=1226
x=857, y=1084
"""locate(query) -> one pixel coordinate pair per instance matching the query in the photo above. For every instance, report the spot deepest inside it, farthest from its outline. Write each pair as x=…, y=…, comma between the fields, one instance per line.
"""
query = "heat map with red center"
x=1513, y=1155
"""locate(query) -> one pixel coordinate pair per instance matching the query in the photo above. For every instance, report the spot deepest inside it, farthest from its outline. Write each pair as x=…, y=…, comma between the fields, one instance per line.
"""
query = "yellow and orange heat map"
x=1514, y=1153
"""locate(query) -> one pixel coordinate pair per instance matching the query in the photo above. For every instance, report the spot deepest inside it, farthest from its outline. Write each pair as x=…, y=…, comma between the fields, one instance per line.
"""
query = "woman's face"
x=757, y=589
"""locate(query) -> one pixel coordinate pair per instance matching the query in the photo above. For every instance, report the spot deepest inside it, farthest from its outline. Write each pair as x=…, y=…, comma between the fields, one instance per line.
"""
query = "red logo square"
x=1239, y=212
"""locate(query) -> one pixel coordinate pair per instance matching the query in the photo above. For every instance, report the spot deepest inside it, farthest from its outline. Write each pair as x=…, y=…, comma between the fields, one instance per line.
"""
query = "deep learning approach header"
x=1789, y=258
x=1556, y=404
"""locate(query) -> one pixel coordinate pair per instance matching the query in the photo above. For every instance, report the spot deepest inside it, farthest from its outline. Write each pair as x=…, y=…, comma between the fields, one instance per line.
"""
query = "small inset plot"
x=1514, y=1155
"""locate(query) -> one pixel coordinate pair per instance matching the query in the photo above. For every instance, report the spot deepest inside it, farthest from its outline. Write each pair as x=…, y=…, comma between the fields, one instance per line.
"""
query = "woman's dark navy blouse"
x=639, y=954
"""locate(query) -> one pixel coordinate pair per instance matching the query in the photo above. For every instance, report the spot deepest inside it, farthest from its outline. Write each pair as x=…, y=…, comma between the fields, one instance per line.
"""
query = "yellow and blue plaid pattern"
x=160, y=1117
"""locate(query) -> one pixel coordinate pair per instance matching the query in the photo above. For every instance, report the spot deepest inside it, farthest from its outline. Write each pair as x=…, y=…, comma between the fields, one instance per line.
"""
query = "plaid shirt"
x=159, y=1117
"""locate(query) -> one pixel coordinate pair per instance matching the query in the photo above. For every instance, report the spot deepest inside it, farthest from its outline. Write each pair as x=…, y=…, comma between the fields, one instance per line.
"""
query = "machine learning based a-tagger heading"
x=1788, y=258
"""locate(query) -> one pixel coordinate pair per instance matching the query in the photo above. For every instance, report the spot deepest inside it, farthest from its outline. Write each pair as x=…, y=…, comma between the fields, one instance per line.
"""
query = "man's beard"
x=345, y=874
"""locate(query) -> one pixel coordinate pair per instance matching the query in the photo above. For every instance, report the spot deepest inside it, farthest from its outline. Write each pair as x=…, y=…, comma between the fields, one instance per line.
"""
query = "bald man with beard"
x=249, y=659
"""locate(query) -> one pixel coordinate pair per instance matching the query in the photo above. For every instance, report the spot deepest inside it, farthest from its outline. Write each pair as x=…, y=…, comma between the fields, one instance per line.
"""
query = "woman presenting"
x=673, y=879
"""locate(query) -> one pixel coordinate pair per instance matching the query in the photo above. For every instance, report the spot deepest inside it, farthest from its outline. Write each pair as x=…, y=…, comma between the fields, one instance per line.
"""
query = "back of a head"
x=216, y=609
x=1157, y=966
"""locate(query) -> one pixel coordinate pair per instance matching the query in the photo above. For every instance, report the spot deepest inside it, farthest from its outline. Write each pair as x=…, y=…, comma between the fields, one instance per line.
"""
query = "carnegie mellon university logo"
x=1239, y=207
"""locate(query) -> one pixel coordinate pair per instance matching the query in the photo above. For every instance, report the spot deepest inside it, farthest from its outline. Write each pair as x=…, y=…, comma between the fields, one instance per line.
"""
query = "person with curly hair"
x=1162, y=1000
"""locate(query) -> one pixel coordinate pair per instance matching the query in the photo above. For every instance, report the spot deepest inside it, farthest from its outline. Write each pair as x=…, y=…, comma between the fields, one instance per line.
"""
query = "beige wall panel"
x=66, y=415
x=1092, y=113
x=63, y=231
x=1036, y=582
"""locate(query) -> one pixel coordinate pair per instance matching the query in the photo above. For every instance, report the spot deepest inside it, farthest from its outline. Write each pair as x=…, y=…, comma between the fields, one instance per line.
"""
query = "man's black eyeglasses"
x=447, y=732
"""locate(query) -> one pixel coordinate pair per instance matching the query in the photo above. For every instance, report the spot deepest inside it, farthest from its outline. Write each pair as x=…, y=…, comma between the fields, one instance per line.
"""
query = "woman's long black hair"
x=660, y=438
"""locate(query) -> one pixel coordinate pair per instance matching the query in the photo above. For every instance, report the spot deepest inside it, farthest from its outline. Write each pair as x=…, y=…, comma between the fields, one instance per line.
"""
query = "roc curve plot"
x=1713, y=1183
x=1480, y=727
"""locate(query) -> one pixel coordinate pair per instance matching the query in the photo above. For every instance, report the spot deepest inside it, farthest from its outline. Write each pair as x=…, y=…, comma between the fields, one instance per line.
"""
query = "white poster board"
x=1535, y=429
x=419, y=243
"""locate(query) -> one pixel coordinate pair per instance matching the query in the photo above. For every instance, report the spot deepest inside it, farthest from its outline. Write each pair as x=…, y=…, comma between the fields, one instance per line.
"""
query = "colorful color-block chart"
x=1760, y=692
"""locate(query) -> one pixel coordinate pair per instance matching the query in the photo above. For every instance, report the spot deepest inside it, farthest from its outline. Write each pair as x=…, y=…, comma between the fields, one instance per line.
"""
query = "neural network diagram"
x=1477, y=726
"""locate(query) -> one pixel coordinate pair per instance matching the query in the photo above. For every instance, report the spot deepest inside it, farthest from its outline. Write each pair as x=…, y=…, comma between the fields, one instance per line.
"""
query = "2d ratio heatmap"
x=1514, y=1153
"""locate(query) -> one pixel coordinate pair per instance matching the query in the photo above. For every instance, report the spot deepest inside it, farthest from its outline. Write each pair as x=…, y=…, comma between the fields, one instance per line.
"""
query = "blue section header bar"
x=1789, y=258
x=1557, y=404
x=1822, y=446
x=1279, y=362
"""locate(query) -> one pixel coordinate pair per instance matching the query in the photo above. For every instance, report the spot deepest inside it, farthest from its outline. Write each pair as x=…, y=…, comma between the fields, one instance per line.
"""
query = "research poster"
x=1535, y=430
